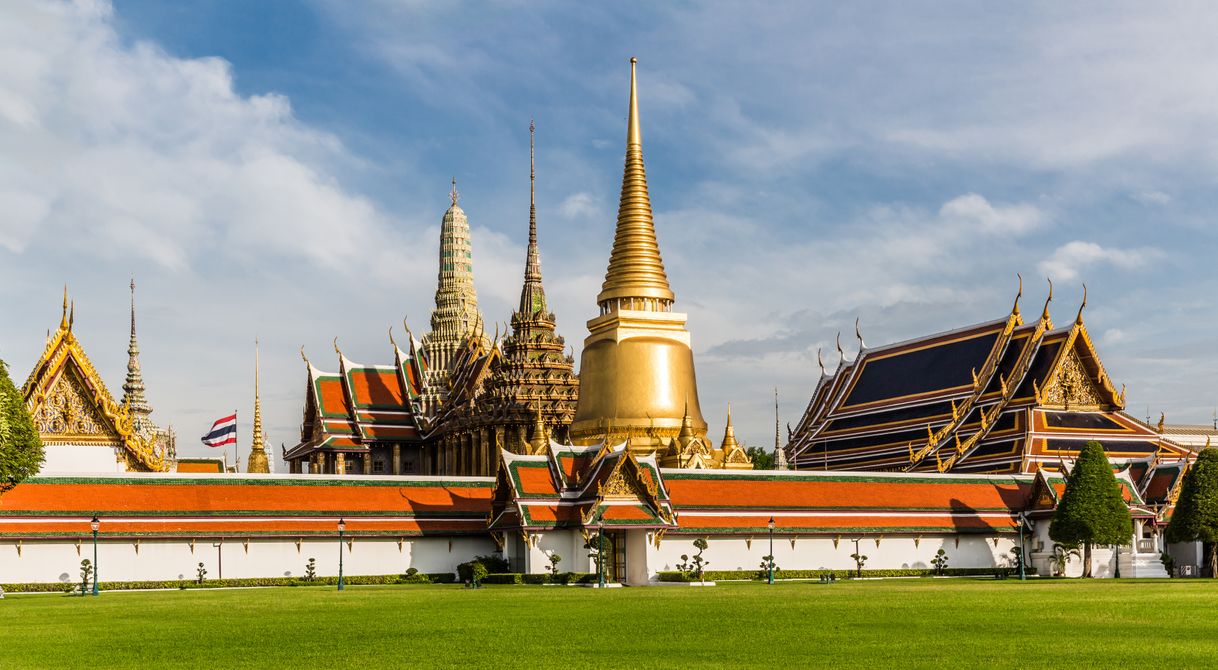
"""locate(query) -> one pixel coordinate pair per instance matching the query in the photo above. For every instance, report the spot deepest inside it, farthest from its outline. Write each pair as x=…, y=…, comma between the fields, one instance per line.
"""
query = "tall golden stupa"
x=637, y=372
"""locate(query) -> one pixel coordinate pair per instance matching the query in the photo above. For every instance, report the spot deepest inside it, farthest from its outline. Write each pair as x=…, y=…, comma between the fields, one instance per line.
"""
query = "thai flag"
x=223, y=432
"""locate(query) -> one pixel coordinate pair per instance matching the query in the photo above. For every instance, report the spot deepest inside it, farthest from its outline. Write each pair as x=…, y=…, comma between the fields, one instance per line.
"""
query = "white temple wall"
x=159, y=560
x=819, y=552
x=75, y=459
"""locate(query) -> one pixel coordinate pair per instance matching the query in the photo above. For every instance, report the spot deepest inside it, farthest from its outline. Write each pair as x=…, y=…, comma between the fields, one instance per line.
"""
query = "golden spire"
x=258, y=462
x=532, y=295
x=133, y=387
x=63, y=322
x=541, y=437
x=636, y=271
x=729, y=434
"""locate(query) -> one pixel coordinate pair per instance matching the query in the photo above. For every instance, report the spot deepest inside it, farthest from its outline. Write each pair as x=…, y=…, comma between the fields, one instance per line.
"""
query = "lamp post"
x=770, y=562
x=600, y=555
x=1023, y=521
x=95, y=525
x=342, y=527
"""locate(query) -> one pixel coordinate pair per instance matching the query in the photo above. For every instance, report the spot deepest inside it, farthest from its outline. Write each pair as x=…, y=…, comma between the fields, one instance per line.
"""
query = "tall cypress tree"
x=1196, y=515
x=1091, y=510
x=20, y=447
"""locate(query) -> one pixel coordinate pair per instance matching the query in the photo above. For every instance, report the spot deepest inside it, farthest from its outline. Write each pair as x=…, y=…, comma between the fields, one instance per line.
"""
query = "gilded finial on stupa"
x=1078, y=320
x=635, y=278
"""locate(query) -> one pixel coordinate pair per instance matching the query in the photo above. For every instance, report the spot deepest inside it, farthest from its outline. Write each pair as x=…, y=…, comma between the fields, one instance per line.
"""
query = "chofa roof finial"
x=1018, y=295
x=1044, y=315
x=820, y=360
x=1078, y=320
x=859, y=335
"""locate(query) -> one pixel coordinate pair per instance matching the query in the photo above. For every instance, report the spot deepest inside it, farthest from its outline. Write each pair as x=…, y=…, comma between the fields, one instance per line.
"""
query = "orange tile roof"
x=300, y=504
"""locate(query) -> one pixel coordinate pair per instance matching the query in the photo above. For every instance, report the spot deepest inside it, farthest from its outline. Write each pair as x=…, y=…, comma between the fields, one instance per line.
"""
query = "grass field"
x=906, y=623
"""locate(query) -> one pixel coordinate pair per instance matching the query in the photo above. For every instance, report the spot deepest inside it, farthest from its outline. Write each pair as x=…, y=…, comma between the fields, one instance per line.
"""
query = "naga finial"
x=820, y=360
x=1078, y=320
x=841, y=354
x=304, y=357
x=336, y=349
x=859, y=335
x=391, y=340
x=406, y=325
x=1018, y=295
x=1044, y=315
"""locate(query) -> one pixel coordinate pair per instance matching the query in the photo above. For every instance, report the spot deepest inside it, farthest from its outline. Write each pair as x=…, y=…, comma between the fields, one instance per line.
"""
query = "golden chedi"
x=637, y=371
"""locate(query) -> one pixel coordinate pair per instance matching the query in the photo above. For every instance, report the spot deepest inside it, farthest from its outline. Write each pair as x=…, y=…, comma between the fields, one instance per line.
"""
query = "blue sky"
x=279, y=170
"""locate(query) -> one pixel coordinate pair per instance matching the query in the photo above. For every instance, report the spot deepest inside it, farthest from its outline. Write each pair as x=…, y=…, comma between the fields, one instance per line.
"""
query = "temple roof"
x=579, y=487
x=997, y=396
x=70, y=403
x=362, y=405
x=208, y=506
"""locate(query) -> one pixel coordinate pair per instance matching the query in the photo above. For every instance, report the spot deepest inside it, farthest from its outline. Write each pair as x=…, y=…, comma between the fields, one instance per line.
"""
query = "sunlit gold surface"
x=635, y=267
x=637, y=371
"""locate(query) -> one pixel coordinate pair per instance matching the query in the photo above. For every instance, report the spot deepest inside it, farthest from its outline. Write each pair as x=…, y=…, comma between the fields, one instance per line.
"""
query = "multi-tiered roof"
x=362, y=406
x=996, y=397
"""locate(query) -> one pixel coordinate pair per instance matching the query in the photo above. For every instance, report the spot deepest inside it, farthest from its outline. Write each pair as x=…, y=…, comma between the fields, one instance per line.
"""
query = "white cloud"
x=579, y=205
x=975, y=211
x=1071, y=259
x=130, y=151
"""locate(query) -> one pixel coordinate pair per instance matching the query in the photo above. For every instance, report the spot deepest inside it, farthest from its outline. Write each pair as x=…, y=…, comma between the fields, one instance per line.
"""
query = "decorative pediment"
x=1072, y=386
x=71, y=405
x=68, y=413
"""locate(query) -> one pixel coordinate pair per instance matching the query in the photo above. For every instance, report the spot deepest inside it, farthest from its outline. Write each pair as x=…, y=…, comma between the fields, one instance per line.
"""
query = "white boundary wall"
x=159, y=560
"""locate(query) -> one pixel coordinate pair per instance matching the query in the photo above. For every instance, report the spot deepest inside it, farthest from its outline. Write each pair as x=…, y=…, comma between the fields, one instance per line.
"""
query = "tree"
x=20, y=448
x=86, y=573
x=1092, y=510
x=1195, y=518
x=762, y=459
x=940, y=561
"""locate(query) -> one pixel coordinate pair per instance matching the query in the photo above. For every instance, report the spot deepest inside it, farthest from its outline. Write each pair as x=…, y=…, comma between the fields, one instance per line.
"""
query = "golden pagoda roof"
x=635, y=267
x=70, y=403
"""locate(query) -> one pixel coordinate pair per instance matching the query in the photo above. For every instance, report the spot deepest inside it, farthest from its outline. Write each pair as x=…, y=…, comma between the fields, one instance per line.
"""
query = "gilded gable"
x=1072, y=386
x=68, y=413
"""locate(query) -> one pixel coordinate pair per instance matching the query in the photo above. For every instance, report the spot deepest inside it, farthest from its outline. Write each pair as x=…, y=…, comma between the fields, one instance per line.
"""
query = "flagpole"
x=236, y=447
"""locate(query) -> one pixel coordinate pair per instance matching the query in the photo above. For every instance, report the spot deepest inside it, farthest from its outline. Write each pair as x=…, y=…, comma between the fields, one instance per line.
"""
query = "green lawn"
x=907, y=623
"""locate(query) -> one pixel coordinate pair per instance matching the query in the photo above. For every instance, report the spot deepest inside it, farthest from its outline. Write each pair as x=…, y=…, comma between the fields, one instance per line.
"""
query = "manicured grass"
x=906, y=623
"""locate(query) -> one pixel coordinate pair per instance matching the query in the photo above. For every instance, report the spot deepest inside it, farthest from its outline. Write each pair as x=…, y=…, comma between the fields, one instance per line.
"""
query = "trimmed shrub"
x=503, y=578
x=744, y=575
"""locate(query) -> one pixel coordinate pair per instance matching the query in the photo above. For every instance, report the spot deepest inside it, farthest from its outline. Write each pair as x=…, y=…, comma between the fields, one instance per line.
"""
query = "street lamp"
x=771, y=559
x=1023, y=521
x=600, y=554
x=342, y=526
x=95, y=525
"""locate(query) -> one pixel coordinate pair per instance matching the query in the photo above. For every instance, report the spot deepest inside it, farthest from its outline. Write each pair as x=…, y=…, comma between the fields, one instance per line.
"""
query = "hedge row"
x=354, y=580
x=543, y=578
x=729, y=575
